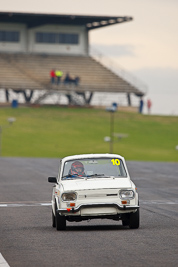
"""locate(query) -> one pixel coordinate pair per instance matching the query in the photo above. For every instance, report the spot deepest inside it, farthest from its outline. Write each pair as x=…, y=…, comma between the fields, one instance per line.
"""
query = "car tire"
x=53, y=220
x=125, y=222
x=60, y=221
x=125, y=219
x=134, y=220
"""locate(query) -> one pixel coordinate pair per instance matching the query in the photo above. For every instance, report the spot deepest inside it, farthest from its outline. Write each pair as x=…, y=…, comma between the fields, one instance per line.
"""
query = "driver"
x=77, y=168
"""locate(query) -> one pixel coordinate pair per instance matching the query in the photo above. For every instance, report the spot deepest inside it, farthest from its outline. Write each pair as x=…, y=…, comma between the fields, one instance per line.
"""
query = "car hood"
x=96, y=184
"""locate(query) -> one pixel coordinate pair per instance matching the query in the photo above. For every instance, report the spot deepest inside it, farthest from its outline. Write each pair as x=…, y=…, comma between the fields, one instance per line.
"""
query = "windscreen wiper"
x=98, y=175
x=72, y=176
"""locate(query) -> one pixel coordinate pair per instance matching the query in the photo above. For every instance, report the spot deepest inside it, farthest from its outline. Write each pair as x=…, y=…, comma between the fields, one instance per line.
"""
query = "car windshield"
x=94, y=168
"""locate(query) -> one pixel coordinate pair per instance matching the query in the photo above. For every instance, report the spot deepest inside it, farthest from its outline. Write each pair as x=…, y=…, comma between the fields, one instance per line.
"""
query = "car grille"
x=99, y=195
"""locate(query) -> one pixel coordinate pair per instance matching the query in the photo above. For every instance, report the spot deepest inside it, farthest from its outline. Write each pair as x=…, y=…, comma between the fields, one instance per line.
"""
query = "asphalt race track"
x=27, y=238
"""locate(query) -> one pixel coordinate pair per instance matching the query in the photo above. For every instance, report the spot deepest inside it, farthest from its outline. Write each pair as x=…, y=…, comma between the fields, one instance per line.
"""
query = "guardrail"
x=117, y=69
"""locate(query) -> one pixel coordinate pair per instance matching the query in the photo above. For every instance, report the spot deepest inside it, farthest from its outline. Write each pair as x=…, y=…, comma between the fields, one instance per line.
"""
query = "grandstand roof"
x=38, y=19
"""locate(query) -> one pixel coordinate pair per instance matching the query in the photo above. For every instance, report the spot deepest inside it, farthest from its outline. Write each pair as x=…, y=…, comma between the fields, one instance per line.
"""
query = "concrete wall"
x=27, y=42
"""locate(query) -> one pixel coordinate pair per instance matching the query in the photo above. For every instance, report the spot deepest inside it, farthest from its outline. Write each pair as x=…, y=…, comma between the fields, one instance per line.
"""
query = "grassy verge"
x=57, y=132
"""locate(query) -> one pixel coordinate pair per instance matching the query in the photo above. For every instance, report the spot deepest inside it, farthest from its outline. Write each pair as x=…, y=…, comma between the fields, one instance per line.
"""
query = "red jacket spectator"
x=53, y=76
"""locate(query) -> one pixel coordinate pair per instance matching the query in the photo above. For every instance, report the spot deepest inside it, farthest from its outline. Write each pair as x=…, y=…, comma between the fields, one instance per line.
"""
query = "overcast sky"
x=146, y=46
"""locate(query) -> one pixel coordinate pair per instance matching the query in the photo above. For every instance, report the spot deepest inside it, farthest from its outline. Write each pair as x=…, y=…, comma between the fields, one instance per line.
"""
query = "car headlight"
x=126, y=194
x=69, y=196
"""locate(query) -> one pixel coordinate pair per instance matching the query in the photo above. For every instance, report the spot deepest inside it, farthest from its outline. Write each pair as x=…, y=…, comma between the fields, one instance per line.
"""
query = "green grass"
x=58, y=132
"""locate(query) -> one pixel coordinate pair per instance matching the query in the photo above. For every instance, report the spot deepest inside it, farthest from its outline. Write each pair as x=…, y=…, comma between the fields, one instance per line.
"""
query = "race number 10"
x=115, y=162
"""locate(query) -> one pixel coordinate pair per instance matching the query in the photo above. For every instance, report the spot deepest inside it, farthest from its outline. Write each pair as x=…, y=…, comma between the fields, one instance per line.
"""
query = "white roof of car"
x=84, y=156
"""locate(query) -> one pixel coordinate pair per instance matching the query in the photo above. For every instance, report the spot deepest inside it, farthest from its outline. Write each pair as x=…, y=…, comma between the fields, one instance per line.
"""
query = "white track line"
x=158, y=202
x=3, y=263
x=23, y=205
x=44, y=204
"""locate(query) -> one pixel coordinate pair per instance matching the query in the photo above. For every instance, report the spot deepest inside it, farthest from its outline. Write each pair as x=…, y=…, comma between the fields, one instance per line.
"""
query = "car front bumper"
x=73, y=210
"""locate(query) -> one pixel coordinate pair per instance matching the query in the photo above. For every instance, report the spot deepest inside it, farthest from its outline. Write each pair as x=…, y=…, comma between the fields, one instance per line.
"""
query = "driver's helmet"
x=77, y=168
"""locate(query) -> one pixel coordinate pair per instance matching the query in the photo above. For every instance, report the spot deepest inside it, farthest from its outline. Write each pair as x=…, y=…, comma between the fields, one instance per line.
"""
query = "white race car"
x=92, y=186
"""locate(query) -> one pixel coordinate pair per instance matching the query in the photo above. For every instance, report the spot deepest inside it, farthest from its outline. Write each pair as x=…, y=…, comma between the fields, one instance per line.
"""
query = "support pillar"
x=28, y=97
x=7, y=95
x=129, y=99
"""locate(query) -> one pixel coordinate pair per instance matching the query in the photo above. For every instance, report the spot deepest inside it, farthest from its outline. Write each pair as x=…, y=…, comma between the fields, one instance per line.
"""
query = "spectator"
x=76, y=81
x=53, y=76
x=149, y=104
x=58, y=74
x=67, y=79
x=141, y=105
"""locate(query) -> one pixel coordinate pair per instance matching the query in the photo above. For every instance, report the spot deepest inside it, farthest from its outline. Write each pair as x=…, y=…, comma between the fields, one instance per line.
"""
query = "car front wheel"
x=60, y=221
x=53, y=219
x=125, y=219
x=134, y=220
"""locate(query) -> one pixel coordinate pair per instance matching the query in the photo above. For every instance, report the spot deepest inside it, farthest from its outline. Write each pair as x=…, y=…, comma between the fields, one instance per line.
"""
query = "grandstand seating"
x=31, y=71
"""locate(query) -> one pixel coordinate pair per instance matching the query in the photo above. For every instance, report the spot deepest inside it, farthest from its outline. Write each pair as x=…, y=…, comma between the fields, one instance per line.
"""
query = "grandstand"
x=33, y=44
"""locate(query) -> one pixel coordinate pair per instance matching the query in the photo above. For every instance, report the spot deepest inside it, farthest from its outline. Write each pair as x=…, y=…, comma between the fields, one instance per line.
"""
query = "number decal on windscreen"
x=115, y=162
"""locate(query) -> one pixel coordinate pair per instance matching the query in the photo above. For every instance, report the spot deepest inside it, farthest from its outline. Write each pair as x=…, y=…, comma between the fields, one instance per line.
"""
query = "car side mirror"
x=52, y=180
